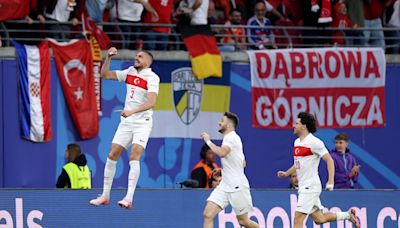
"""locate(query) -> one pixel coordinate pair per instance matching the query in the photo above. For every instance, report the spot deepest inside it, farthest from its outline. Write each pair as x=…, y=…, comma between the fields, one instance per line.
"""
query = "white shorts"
x=308, y=203
x=240, y=201
x=133, y=133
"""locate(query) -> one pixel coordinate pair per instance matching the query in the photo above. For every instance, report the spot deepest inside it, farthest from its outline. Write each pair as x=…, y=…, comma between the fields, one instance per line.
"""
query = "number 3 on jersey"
x=297, y=164
x=132, y=92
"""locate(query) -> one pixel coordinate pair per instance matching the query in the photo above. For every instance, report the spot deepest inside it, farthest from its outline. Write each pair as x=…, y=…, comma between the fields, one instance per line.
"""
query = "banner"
x=342, y=87
x=276, y=208
x=190, y=106
x=97, y=59
x=14, y=9
x=75, y=69
x=89, y=27
x=202, y=46
x=34, y=97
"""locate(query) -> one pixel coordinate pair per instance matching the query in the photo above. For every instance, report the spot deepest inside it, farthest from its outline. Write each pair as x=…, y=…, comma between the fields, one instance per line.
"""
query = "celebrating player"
x=234, y=188
x=136, y=121
x=307, y=152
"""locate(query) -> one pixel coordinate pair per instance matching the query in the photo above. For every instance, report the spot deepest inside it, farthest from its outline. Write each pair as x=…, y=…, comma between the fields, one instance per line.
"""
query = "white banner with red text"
x=342, y=87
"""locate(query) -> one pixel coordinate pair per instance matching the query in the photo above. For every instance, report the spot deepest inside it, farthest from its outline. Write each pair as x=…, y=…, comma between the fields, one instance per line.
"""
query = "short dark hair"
x=232, y=117
x=74, y=147
x=235, y=10
x=149, y=54
x=259, y=1
x=309, y=120
x=342, y=136
x=203, y=151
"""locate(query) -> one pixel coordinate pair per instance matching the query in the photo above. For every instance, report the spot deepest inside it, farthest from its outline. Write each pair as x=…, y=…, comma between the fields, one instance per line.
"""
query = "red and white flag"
x=34, y=82
x=75, y=70
x=342, y=87
x=88, y=26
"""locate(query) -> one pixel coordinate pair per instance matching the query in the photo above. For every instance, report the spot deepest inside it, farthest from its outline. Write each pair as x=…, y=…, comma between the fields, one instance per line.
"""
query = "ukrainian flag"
x=187, y=106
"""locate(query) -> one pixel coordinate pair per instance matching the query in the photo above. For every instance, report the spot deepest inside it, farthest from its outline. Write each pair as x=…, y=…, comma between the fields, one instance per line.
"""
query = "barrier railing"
x=284, y=36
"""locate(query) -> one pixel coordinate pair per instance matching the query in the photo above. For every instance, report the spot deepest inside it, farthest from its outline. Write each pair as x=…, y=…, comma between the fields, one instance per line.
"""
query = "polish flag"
x=34, y=99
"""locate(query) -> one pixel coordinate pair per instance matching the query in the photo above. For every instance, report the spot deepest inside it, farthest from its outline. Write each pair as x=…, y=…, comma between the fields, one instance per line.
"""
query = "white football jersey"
x=233, y=177
x=307, y=154
x=137, y=87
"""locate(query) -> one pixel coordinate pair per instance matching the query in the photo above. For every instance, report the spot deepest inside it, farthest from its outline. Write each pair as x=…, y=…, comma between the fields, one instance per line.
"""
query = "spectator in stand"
x=203, y=170
x=196, y=10
x=34, y=13
x=276, y=15
x=95, y=9
x=60, y=12
x=211, y=13
x=181, y=15
x=243, y=6
x=346, y=167
x=341, y=22
x=392, y=20
x=261, y=37
x=113, y=31
x=373, y=11
x=314, y=18
x=34, y=36
x=130, y=12
x=291, y=12
x=199, y=12
x=157, y=37
x=212, y=16
x=191, y=12
x=213, y=19
x=355, y=12
x=234, y=38
x=225, y=5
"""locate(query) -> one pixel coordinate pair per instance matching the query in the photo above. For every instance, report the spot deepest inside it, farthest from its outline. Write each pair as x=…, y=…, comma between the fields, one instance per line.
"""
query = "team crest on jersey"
x=187, y=94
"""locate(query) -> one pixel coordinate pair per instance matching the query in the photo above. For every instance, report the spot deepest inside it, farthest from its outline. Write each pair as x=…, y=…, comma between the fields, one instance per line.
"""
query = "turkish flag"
x=75, y=70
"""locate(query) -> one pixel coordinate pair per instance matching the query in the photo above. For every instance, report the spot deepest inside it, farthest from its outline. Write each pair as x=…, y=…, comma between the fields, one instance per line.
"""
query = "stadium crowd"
x=237, y=24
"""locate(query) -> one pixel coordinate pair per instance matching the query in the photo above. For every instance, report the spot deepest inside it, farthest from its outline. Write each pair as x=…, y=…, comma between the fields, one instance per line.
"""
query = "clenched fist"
x=112, y=51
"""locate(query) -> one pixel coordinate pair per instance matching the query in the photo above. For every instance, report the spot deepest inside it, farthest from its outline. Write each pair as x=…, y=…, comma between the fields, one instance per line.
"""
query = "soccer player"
x=136, y=121
x=307, y=152
x=234, y=188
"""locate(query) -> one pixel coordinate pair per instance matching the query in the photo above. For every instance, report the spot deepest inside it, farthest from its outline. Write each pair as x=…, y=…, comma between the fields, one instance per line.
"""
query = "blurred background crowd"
x=237, y=24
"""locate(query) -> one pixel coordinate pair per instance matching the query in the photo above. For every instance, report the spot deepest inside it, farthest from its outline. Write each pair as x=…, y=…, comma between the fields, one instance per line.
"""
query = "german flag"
x=202, y=46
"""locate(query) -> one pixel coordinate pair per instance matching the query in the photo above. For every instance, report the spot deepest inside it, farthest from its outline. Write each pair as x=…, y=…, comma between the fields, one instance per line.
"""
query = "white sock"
x=133, y=177
x=342, y=216
x=109, y=172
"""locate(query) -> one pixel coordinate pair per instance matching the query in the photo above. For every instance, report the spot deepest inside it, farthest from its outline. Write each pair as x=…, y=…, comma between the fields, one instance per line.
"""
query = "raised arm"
x=221, y=151
x=105, y=69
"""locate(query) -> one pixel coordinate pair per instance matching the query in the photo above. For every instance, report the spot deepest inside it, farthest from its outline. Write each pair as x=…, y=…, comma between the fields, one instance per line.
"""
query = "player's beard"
x=222, y=129
x=138, y=68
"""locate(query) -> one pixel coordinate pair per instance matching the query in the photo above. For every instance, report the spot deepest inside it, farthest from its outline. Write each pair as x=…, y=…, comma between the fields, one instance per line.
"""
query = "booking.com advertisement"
x=184, y=209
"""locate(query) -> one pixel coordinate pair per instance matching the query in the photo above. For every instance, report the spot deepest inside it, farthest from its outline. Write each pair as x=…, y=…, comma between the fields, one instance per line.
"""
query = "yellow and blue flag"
x=187, y=106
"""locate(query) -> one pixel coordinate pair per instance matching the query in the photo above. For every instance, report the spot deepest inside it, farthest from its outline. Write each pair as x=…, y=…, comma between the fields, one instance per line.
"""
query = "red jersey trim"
x=136, y=81
x=301, y=151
